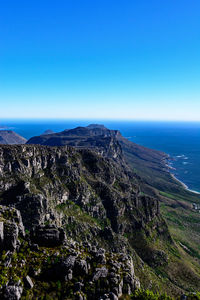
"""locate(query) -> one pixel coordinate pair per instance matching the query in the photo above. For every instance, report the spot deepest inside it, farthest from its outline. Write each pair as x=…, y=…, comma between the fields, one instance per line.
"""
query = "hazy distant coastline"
x=6, y=127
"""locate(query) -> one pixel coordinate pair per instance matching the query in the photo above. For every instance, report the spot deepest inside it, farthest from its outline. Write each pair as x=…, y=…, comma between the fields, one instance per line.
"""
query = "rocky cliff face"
x=149, y=164
x=99, y=139
x=11, y=227
x=88, y=212
x=43, y=182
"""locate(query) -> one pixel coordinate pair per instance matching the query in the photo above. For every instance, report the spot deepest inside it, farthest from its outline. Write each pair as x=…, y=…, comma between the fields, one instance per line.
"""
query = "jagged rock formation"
x=63, y=193
x=10, y=137
x=97, y=138
x=149, y=164
x=11, y=227
x=88, y=270
x=46, y=183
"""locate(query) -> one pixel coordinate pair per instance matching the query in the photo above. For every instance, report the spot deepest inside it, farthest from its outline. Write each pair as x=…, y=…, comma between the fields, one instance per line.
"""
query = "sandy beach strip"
x=183, y=184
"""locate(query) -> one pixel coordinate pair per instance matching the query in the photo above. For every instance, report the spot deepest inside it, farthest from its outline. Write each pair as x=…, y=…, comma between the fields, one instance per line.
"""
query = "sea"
x=181, y=140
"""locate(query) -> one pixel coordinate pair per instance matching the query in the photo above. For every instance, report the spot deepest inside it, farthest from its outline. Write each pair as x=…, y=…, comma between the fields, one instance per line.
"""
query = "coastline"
x=169, y=167
x=184, y=185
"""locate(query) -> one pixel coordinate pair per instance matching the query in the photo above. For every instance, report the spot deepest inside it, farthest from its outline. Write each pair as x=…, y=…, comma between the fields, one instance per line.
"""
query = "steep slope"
x=41, y=180
x=95, y=136
x=69, y=196
x=10, y=137
x=149, y=164
x=154, y=179
x=77, y=199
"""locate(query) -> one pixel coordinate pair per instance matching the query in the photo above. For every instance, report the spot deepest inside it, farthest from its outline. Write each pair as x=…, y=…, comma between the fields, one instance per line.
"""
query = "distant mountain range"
x=9, y=137
x=48, y=131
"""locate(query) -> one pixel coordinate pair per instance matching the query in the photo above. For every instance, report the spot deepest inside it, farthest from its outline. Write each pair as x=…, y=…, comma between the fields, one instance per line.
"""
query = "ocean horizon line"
x=3, y=119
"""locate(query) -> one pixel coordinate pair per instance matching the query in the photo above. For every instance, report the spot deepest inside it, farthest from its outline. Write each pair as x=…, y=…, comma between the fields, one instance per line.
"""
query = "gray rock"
x=100, y=272
x=28, y=283
x=69, y=275
x=112, y=296
x=100, y=258
x=68, y=263
x=78, y=286
x=104, y=297
x=183, y=297
x=101, y=251
x=11, y=227
x=11, y=233
x=7, y=262
x=81, y=267
x=1, y=233
x=136, y=283
x=115, y=290
x=34, y=272
x=62, y=270
x=128, y=279
x=48, y=236
x=127, y=289
x=13, y=292
x=78, y=296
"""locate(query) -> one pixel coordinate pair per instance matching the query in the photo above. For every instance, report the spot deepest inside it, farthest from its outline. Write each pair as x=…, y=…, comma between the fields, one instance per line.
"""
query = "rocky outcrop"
x=79, y=190
x=72, y=269
x=48, y=236
x=84, y=217
x=95, y=137
x=11, y=227
x=12, y=292
x=79, y=223
x=114, y=276
x=150, y=165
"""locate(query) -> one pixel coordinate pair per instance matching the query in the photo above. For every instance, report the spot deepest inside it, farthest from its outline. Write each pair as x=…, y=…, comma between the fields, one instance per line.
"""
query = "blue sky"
x=103, y=59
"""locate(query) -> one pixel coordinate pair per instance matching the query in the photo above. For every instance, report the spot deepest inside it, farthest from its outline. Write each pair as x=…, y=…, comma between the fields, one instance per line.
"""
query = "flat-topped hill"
x=149, y=164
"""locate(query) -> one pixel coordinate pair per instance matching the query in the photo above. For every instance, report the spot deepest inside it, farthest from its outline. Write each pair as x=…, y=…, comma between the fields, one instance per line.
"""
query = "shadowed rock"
x=48, y=236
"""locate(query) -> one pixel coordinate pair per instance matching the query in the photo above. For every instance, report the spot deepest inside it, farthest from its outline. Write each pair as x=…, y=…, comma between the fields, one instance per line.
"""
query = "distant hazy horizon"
x=95, y=120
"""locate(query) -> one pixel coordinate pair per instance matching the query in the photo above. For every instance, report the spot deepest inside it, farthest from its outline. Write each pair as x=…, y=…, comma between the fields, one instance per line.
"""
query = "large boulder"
x=62, y=270
x=12, y=292
x=48, y=236
x=11, y=227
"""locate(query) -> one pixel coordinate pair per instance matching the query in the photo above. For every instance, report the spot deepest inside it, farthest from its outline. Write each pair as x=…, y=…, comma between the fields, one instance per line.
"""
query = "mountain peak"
x=9, y=137
x=92, y=126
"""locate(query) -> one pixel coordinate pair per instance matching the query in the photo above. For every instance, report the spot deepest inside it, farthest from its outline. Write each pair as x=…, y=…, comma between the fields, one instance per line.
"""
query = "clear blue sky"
x=136, y=59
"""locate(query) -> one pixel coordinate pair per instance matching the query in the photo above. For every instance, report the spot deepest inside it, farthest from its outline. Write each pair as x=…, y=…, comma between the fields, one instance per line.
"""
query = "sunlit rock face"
x=76, y=216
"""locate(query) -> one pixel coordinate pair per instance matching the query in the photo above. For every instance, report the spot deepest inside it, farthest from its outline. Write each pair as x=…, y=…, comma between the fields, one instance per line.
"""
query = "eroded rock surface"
x=85, y=219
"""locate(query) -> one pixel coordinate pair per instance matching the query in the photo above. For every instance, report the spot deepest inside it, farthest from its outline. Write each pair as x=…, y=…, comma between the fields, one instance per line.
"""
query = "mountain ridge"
x=97, y=213
x=141, y=159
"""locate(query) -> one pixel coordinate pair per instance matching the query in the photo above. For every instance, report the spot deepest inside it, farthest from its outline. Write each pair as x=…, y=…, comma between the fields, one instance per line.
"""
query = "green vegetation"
x=70, y=209
x=98, y=200
x=149, y=295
